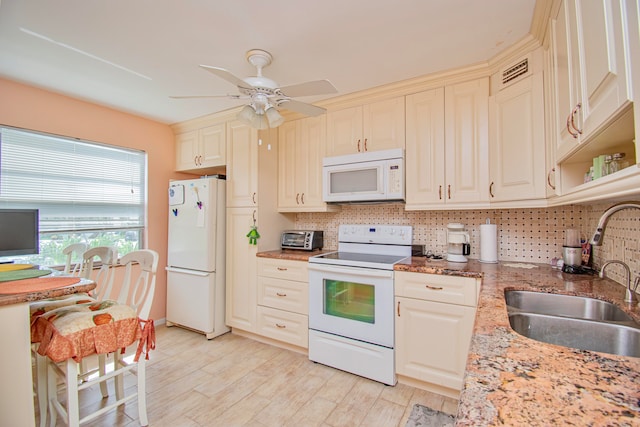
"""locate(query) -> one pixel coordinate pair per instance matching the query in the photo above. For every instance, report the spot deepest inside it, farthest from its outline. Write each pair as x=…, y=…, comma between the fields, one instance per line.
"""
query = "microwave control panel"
x=395, y=179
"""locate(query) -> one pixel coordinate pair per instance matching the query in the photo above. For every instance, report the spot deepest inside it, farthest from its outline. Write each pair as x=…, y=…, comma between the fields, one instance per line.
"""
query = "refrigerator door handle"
x=185, y=271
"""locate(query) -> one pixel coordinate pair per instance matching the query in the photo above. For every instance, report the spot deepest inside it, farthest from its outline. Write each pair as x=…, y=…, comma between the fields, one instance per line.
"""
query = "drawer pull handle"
x=398, y=308
x=282, y=268
x=280, y=326
x=435, y=288
x=281, y=295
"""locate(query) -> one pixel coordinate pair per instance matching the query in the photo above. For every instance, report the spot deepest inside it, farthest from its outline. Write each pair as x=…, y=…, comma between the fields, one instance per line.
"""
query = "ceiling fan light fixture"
x=247, y=115
x=274, y=117
x=260, y=122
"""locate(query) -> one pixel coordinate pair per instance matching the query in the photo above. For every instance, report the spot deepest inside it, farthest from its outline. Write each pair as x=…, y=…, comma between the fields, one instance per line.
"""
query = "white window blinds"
x=77, y=185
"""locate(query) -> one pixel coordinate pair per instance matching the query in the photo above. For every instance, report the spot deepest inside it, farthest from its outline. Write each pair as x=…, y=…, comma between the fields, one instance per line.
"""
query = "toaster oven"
x=306, y=240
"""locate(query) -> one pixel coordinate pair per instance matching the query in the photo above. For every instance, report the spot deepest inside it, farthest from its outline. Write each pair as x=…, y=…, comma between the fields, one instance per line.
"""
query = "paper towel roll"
x=488, y=243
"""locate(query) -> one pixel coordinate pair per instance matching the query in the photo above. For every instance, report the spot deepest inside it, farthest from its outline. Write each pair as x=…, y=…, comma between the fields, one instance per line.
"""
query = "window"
x=86, y=192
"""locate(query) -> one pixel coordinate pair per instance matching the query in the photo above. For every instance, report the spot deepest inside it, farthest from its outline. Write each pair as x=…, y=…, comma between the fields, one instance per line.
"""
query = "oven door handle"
x=364, y=272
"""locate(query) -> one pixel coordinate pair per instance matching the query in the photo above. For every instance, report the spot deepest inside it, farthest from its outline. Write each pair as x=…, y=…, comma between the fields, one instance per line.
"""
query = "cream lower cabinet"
x=241, y=270
x=371, y=127
x=283, y=301
x=433, y=327
x=447, y=147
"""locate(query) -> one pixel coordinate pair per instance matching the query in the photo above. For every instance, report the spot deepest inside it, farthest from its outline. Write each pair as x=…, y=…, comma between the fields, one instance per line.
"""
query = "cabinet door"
x=344, y=131
x=187, y=150
x=466, y=135
x=288, y=193
x=242, y=165
x=384, y=125
x=425, y=149
x=566, y=97
x=241, y=274
x=599, y=34
x=517, y=141
x=432, y=341
x=310, y=152
x=212, y=145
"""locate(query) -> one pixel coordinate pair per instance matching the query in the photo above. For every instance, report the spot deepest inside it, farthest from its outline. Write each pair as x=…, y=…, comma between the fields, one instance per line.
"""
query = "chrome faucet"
x=596, y=240
x=629, y=295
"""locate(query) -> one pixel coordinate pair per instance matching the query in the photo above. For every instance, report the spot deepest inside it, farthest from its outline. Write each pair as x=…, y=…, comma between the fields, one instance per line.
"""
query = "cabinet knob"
x=302, y=198
x=280, y=326
x=440, y=192
x=358, y=146
x=253, y=198
x=195, y=160
x=280, y=294
x=491, y=189
x=571, y=124
x=398, y=308
x=297, y=197
x=365, y=144
x=449, y=191
x=282, y=268
x=434, y=288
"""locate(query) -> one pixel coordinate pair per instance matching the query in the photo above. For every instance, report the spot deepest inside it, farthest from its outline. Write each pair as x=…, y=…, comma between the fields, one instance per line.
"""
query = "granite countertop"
x=292, y=254
x=83, y=286
x=514, y=380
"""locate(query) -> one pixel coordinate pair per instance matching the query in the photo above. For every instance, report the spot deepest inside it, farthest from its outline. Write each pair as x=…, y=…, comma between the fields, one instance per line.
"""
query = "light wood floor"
x=236, y=381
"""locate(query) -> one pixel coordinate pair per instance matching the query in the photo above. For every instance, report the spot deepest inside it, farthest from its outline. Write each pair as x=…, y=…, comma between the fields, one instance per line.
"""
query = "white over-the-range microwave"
x=364, y=177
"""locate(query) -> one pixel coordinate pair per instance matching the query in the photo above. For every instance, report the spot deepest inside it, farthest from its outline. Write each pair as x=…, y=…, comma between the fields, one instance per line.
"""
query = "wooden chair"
x=106, y=257
x=136, y=294
x=74, y=258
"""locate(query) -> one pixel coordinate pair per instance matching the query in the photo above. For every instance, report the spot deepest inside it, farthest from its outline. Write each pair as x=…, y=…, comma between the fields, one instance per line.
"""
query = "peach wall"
x=31, y=108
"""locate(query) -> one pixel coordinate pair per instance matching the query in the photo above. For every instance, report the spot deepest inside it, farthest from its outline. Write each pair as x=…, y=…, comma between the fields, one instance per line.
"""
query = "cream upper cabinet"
x=370, y=127
x=447, y=148
x=302, y=146
x=517, y=147
x=242, y=165
x=201, y=149
x=425, y=150
x=591, y=74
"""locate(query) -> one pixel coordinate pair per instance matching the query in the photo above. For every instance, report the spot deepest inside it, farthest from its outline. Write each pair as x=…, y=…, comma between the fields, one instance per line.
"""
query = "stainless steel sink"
x=578, y=333
x=566, y=306
x=573, y=321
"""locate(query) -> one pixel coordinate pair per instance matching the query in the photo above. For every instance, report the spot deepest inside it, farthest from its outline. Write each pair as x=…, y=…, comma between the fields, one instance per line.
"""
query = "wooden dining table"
x=16, y=389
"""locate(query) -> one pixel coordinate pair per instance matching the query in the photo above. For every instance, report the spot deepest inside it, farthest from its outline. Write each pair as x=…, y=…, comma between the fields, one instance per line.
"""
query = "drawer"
x=283, y=326
x=438, y=288
x=283, y=269
x=283, y=294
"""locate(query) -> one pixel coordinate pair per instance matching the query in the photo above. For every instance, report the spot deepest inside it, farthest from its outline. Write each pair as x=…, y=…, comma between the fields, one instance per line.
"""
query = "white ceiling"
x=132, y=55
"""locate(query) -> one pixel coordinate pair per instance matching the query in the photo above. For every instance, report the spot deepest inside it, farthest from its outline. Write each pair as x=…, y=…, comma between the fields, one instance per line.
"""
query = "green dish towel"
x=7, y=276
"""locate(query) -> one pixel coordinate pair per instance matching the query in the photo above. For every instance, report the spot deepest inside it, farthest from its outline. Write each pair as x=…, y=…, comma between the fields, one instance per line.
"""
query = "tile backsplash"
x=524, y=235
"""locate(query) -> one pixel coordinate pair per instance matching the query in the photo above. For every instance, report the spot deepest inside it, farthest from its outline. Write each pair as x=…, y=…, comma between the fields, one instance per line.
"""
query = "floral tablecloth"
x=88, y=327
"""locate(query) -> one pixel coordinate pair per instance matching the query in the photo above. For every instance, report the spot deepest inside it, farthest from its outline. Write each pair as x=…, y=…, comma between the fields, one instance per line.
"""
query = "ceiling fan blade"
x=208, y=96
x=301, y=107
x=317, y=87
x=227, y=75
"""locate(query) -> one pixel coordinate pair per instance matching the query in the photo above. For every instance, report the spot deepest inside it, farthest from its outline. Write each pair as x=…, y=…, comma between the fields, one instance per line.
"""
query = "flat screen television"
x=19, y=232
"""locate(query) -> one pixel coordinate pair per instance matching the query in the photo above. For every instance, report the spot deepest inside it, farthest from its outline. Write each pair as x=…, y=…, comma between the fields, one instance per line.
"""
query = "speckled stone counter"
x=82, y=286
x=513, y=380
x=292, y=254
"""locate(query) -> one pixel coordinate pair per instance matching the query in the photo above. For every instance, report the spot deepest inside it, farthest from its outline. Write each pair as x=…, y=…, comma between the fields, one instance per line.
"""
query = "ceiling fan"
x=265, y=96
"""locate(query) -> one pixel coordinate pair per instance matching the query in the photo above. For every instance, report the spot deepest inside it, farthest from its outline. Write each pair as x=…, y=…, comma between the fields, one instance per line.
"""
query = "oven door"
x=352, y=302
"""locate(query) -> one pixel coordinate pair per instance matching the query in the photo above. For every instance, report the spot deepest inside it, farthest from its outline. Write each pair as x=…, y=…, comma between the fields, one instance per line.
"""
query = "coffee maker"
x=457, y=242
x=572, y=251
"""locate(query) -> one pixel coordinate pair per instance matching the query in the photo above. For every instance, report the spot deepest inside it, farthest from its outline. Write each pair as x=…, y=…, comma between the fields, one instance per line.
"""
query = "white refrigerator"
x=196, y=255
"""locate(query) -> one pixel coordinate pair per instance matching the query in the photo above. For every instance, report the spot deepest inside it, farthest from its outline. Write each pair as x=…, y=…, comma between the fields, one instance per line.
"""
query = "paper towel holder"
x=488, y=243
